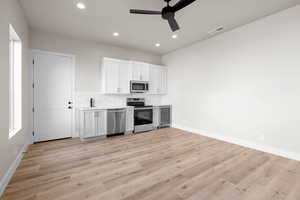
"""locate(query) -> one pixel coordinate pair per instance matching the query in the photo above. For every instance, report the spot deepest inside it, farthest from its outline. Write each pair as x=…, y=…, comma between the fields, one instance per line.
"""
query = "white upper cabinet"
x=153, y=79
x=158, y=79
x=110, y=76
x=116, y=76
x=140, y=71
x=125, y=74
x=164, y=80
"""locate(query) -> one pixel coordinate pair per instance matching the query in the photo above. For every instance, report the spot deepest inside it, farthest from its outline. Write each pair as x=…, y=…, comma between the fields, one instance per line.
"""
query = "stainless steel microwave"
x=139, y=86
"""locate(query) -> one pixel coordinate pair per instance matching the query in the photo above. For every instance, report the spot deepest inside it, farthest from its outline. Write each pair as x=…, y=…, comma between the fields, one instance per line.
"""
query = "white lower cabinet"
x=93, y=123
x=162, y=116
x=101, y=122
x=130, y=120
x=155, y=116
x=87, y=129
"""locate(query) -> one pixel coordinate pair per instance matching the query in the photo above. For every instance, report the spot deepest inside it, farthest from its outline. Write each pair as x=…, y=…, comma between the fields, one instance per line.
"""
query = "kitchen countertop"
x=111, y=107
x=102, y=108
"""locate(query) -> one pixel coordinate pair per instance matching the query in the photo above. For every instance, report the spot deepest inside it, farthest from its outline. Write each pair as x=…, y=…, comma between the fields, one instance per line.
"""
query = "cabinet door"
x=144, y=71
x=158, y=79
x=165, y=116
x=130, y=119
x=136, y=71
x=111, y=70
x=88, y=125
x=163, y=88
x=153, y=79
x=156, y=117
x=140, y=71
x=100, y=122
x=124, y=77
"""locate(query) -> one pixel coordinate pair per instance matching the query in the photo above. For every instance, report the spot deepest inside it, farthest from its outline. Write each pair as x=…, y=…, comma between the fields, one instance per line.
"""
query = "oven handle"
x=116, y=110
x=147, y=108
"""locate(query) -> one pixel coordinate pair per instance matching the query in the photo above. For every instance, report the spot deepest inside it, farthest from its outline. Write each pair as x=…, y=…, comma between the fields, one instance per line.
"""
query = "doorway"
x=53, y=101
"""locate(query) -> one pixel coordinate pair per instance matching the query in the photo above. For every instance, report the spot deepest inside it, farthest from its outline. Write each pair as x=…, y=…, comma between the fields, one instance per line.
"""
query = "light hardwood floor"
x=167, y=164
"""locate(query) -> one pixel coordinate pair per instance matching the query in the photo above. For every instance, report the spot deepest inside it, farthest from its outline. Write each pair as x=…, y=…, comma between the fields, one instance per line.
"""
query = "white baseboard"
x=252, y=145
x=6, y=178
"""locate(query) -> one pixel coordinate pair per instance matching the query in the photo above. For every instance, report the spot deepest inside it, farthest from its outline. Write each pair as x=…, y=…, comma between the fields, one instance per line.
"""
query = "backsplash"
x=83, y=99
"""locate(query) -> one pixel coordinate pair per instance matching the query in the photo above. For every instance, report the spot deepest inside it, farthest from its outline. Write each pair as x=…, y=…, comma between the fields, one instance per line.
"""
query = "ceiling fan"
x=167, y=13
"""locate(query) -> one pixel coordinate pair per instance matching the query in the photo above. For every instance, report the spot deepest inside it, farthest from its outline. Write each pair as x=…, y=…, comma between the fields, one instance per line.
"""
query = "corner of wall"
x=240, y=142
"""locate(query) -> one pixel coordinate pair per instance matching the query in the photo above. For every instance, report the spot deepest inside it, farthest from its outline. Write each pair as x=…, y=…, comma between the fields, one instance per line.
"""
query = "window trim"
x=15, y=83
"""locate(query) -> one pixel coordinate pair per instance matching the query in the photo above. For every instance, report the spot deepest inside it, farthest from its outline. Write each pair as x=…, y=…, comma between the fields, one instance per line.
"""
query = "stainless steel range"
x=143, y=115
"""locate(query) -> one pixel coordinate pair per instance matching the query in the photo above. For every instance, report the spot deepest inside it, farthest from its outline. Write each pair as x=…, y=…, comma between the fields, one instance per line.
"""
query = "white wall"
x=10, y=12
x=88, y=56
x=242, y=84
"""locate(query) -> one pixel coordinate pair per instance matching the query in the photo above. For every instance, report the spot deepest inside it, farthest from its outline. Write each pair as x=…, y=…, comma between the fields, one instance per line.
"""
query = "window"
x=15, y=82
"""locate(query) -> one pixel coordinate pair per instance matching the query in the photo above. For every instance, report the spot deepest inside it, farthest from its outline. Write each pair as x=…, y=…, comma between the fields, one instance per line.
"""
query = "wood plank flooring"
x=167, y=164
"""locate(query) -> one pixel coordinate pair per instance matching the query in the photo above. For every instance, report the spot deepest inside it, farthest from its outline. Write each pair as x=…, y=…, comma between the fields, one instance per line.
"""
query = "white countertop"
x=101, y=108
x=109, y=107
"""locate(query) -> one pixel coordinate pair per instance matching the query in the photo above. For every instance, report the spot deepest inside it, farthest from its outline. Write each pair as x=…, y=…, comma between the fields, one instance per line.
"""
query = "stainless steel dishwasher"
x=116, y=121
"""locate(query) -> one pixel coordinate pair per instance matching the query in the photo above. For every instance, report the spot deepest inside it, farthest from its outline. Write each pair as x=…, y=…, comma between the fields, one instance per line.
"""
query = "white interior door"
x=53, y=98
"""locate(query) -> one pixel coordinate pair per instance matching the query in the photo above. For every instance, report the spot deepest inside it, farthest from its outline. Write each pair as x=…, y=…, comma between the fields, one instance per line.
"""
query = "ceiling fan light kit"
x=167, y=13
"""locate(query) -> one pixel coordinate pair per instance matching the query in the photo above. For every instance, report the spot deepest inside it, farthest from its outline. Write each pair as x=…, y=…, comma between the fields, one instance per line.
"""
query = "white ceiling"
x=103, y=17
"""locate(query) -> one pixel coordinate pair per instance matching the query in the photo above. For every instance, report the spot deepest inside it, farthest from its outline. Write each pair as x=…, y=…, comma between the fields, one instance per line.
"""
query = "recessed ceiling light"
x=174, y=36
x=157, y=45
x=116, y=34
x=81, y=5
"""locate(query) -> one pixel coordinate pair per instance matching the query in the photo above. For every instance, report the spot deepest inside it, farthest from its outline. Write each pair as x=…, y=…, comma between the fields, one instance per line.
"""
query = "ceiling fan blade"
x=145, y=12
x=181, y=4
x=173, y=24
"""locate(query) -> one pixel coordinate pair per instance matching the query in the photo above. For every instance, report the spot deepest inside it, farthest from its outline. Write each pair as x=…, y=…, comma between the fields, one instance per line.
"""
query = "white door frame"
x=73, y=57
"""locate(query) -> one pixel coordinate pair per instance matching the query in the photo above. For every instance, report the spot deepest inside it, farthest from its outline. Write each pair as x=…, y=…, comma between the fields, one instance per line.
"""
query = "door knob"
x=70, y=107
x=69, y=102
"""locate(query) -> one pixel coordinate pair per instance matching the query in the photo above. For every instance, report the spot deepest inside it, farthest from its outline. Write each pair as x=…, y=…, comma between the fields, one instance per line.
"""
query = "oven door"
x=138, y=86
x=143, y=119
x=143, y=116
